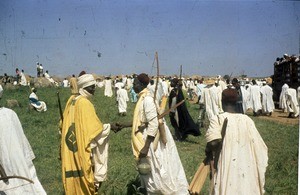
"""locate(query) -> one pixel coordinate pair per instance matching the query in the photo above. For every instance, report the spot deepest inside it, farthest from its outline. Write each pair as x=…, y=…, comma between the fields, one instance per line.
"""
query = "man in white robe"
x=108, y=87
x=23, y=80
x=165, y=87
x=241, y=156
x=267, y=99
x=167, y=175
x=245, y=99
x=210, y=105
x=128, y=83
x=221, y=83
x=122, y=99
x=255, y=98
x=216, y=98
x=282, y=98
x=292, y=103
x=16, y=157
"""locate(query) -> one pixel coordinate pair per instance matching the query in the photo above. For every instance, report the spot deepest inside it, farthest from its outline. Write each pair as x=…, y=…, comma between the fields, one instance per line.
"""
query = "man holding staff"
x=166, y=175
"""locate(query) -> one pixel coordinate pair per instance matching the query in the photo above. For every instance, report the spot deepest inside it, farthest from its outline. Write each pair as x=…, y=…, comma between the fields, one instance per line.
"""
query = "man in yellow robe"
x=73, y=85
x=84, y=143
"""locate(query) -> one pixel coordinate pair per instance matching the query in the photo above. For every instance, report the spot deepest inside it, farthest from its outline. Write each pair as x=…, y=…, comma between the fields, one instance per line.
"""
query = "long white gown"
x=244, y=156
x=16, y=157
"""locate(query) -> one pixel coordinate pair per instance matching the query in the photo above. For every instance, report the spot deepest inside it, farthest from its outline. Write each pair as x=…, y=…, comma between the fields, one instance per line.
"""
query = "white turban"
x=86, y=80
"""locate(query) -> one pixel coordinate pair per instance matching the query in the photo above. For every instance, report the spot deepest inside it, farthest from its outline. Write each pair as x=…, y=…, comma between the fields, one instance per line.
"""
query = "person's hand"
x=118, y=126
x=212, y=147
x=115, y=127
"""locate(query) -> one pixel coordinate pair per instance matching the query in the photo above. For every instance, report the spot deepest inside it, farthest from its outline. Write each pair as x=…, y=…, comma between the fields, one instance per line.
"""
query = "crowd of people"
x=238, y=153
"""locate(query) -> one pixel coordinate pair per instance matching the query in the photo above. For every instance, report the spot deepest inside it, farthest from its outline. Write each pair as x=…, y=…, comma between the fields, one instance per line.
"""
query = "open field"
x=41, y=130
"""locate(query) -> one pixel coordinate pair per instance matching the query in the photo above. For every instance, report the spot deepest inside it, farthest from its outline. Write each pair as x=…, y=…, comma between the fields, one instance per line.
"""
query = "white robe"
x=99, y=147
x=108, y=88
x=222, y=84
x=216, y=99
x=267, y=99
x=23, y=79
x=282, y=98
x=244, y=156
x=16, y=157
x=255, y=99
x=36, y=103
x=210, y=107
x=292, y=103
x=246, y=99
x=122, y=98
x=128, y=84
x=167, y=174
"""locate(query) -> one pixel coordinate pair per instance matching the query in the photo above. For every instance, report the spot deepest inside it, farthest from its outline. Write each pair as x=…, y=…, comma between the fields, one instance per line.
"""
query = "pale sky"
x=121, y=37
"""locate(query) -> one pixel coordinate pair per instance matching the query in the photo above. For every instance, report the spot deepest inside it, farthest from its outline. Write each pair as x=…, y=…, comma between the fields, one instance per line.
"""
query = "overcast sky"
x=121, y=37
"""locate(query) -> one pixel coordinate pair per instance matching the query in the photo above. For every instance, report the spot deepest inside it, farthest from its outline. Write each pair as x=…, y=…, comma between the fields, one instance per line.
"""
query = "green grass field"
x=42, y=130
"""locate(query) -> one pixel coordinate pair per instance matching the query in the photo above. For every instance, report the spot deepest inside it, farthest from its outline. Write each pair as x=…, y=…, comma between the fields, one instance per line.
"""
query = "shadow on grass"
x=134, y=187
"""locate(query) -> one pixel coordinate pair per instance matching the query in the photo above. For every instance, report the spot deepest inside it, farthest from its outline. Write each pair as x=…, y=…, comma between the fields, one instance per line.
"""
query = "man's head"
x=87, y=82
x=235, y=83
x=174, y=82
x=229, y=100
x=140, y=82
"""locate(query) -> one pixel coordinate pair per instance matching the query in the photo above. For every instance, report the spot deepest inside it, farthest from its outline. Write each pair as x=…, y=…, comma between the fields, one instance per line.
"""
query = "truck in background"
x=286, y=70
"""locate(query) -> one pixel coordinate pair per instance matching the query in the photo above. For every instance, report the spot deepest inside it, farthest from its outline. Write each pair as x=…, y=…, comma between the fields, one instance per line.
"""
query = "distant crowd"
x=235, y=152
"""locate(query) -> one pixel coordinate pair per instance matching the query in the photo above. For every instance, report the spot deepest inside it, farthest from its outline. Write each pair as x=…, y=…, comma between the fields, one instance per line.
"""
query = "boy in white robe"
x=122, y=99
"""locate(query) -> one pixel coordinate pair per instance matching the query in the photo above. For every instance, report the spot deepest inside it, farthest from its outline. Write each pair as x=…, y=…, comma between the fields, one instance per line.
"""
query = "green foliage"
x=42, y=131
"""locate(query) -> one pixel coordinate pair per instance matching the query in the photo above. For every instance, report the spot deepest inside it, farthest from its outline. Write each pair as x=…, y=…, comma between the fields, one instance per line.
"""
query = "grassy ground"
x=41, y=130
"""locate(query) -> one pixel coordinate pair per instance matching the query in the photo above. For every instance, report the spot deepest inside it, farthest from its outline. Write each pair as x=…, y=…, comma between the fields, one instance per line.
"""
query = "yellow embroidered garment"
x=79, y=127
x=137, y=140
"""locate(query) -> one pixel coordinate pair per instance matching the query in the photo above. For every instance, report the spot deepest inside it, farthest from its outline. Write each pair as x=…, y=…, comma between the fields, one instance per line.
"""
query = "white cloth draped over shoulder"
x=244, y=156
x=99, y=147
x=167, y=174
x=16, y=157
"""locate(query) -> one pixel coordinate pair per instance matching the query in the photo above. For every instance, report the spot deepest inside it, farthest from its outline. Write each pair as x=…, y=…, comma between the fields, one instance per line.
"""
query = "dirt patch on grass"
x=279, y=117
